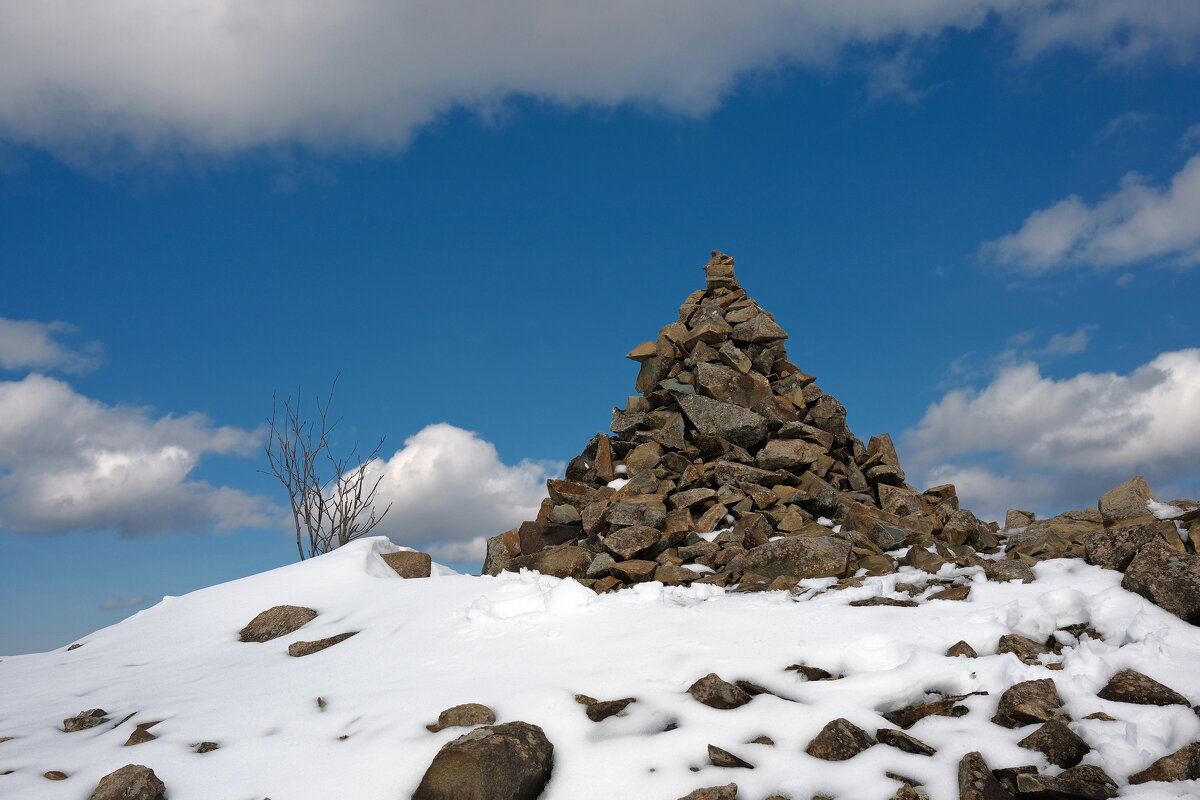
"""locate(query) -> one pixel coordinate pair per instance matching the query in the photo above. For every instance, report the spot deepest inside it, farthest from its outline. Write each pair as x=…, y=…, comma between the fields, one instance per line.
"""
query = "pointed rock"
x=1130, y=686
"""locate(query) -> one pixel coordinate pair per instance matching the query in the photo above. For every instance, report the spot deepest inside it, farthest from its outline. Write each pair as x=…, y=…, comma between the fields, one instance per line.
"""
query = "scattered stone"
x=976, y=781
x=207, y=747
x=812, y=673
x=512, y=761
x=884, y=601
x=908, y=716
x=961, y=648
x=54, y=775
x=1126, y=502
x=75, y=646
x=1130, y=686
x=902, y=741
x=1167, y=578
x=85, y=719
x=1009, y=569
x=141, y=734
x=839, y=740
x=1027, y=650
x=598, y=710
x=130, y=782
x=1115, y=548
x=1100, y=715
x=723, y=758
x=727, y=792
x=767, y=740
x=276, y=622
x=1182, y=765
x=298, y=649
x=714, y=692
x=409, y=563
x=953, y=593
x=1058, y=743
x=463, y=716
x=1061, y=788
x=1029, y=702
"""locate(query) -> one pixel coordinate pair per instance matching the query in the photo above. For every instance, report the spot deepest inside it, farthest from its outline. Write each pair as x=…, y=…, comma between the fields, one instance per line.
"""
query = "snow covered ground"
x=526, y=644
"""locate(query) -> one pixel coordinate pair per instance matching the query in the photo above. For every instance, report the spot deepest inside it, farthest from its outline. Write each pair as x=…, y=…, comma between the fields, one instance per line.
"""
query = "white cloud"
x=28, y=344
x=223, y=75
x=1069, y=344
x=1139, y=223
x=1191, y=136
x=1028, y=439
x=68, y=462
x=450, y=491
x=120, y=603
x=1130, y=120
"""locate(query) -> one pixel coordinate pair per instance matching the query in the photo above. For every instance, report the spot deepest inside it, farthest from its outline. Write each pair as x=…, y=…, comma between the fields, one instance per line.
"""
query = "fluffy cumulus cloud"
x=1033, y=440
x=449, y=490
x=28, y=344
x=219, y=75
x=69, y=462
x=1137, y=224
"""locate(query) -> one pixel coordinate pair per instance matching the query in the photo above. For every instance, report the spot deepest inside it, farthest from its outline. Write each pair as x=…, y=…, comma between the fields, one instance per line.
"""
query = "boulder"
x=409, y=563
x=961, y=648
x=1167, y=578
x=1024, y=648
x=976, y=781
x=626, y=543
x=729, y=422
x=1059, y=744
x=634, y=571
x=463, y=716
x=130, y=782
x=723, y=758
x=714, y=692
x=839, y=740
x=1028, y=703
x=799, y=556
x=561, y=561
x=1125, y=502
x=1115, y=548
x=276, y=622
x=902, y=741
x=298, y=649
x=85, y=719
x=1008, y=569
x=727, y=792
x=537, y=535
x=512, y=761
x=600, y=710
x=1182, y=765
x=1017, y=519
x=1130, y=686
x=788, y=453
x=908, y=716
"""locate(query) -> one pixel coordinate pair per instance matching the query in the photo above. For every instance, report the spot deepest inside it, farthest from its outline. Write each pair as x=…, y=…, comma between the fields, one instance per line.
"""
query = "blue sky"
x=979, y=222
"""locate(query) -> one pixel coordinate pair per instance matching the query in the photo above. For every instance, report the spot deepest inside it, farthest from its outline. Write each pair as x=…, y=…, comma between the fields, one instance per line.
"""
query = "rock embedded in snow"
x=1024, y=648
x=727, y=792
x=409, y=563
x=1059, y=744
x=463, y=716
x=839, y=740
x=903, y=741
x=600, y=710
x=713, y=691
x=908, y=716
x=207, y=747
x=1182, y=765
x=1028, y=703
x=961, y=648
x=512, y=761
x=1167, y=578
x=723, y=758
x=130, y=782
x=1131, y=686
x=976, y=781
x=55, y=775
x=141, y=734
x=1009, y=569
x=298, y=649
x=85, y=719
x=276, y=622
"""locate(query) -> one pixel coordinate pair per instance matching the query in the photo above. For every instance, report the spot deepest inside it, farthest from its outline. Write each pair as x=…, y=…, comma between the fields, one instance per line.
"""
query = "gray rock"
x=798, y=556
x=562, y=561
x=276, y=622
x=1167, y=578
x=85, y=719
x=299, y=649
x=1029, y=702
x=976, y=781
x=723, y=758
x=788, y=453
x=1125, y=502
x=626, y=543
x=1131, y=686
x=714, y=692
x=839, y=740
x=463, y=716
x=1009, y=569
x=902, y=741
x=1182, y=765
x=1115, y=548
x=512, y=761
x=1058, y=743
x=130, y=782
x=731, y=423
x=1018, y=519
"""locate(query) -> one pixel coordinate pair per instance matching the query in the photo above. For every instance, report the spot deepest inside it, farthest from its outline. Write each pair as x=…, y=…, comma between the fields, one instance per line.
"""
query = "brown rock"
x=276, y=622
x=409, y=563
x=1022, y=647
x=1125, y=502
x=839, y=740
x=1182, y=765
x=1009, y=569
x=85, y=719
x=714, y=692
x=512, y=761
x=130, y=782
x=723, y=758
x=976, y=782
x=1017, y=519
x=732, y=423
x=674, y=575
x=691, y=497
x=642, y=352
x=1058, y=743
x=902, y=741
x=727, y=792
x=788, y=453
x=207, y=747
x=625, y=543
x=141, y=734
x=561, y=561
x=883, y=601
x=635, y=571
x=463, y=716
x=607, y=584
x=535, y=535
x=952, y=593
x=645, y=509
x=1130, y=686
x=500, y=551
x=298, y=649
x=923, y=560
x=1061, y=788
x=1114, y=548
x=1167, y=578
x=961, y=648
x=910, y=715
x=1029, y=702
x=800, y=557
x=599, y=710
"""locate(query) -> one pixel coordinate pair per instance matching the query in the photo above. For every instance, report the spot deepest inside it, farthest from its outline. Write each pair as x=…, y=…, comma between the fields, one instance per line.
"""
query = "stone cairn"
x=728, y=436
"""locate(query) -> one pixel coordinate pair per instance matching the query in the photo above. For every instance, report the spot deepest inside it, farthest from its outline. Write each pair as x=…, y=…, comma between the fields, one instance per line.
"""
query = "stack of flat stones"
x=731, y=466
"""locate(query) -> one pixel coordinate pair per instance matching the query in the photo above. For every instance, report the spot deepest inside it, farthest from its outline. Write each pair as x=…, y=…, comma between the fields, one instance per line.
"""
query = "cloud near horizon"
x=218, y=76
x=1138, y=224
x=449, y=491
x=29, y=344
x=1029, y=440
x=72, y=463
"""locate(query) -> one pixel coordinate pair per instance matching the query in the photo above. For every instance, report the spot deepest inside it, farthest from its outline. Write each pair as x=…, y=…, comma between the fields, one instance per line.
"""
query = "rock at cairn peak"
x=730, y=466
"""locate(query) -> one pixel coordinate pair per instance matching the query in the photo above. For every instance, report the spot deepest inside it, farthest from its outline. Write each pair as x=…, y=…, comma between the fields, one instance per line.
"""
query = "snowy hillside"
x=350, y=721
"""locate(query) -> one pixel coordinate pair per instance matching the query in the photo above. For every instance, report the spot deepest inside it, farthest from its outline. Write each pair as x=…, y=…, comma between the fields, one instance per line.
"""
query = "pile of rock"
x=731, y=466
x=1156, y=545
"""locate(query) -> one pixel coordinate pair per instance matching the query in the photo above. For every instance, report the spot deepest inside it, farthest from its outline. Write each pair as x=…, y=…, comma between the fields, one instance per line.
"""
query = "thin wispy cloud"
x=29, y=344
x=220, y=76
x=121, y=603
x=1124, y=123
x=1138, y=224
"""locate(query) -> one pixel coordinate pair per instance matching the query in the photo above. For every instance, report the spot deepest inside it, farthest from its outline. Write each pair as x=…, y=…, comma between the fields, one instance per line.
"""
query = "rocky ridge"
x=731, y=466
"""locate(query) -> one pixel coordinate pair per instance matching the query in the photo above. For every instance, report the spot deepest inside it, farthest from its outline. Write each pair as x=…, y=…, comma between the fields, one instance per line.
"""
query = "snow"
x=1164, y=510
x=525, y=644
